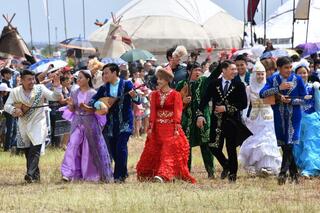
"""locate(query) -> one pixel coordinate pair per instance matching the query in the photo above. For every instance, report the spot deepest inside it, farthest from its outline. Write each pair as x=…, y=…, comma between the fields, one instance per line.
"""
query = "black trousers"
x=232, y=162
x=54, y=116
x=288, y=162
x=32, y=156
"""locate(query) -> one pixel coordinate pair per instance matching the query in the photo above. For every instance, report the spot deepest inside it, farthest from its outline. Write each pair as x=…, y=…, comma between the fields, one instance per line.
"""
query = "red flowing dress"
x=166, y=149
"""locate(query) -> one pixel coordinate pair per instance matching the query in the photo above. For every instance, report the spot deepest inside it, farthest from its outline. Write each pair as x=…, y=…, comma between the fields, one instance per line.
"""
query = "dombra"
x=25, y=109
x=107, y=103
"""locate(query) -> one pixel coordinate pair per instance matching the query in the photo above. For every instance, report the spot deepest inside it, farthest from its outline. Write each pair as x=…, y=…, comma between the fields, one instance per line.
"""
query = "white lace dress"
x=260, y=151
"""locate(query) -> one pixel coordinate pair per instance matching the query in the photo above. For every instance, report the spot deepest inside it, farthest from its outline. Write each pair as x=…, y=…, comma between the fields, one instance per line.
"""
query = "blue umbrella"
x=274, y=54
x=43, y=65
x=118, y=61
x=309, y=48
x=78, y=43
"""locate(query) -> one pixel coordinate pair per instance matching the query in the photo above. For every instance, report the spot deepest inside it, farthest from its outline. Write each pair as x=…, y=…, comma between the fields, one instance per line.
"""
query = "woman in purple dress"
x=87, y=157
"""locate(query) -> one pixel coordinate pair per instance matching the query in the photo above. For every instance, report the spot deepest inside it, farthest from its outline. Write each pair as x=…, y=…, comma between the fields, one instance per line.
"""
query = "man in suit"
x=243, y=73
x=228, y=98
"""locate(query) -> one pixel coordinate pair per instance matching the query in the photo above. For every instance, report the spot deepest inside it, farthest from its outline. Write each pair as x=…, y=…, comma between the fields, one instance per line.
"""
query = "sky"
x=94, y=9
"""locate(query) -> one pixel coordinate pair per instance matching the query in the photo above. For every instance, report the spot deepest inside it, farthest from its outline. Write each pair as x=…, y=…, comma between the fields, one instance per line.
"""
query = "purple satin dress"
x=87, y=157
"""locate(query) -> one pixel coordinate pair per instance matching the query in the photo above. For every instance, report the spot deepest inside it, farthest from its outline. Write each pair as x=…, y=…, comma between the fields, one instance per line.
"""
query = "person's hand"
x=200, y=122
x=133, y=94
x=220, y=109
x=187, y=100
x=46, y=81
x=17, y=112
x=69, y=102
x=285, y=99
x=285, y=86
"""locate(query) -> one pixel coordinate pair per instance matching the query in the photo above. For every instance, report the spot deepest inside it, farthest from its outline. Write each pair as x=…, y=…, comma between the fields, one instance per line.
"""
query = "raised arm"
x=55, y=95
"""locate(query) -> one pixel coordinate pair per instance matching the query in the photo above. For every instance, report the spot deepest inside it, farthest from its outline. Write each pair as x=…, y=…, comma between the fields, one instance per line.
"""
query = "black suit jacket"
x=235, y=101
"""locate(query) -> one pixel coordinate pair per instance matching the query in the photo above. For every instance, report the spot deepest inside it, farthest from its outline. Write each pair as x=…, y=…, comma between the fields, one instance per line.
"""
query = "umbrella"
x=43, y=65
x=292, y=52
x=118, y=61
x=241, y=52
x=274, y=54
x=309, y=48
x=136, y=55
x=78, y=43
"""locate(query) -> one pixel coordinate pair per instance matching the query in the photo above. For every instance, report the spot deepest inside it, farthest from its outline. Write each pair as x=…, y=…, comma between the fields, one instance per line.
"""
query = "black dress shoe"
x=232, y=178
x=282, y=178
x=294, y=179
x=224, y=173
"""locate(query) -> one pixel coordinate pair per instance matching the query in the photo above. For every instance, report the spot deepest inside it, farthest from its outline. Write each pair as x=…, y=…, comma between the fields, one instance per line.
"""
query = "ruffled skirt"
x=165, y=155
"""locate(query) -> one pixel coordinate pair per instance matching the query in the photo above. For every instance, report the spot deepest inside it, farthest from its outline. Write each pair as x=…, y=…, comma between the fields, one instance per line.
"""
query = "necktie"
x=225, y=88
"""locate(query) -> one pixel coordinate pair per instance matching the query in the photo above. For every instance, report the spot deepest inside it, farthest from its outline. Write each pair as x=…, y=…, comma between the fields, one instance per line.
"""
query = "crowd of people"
x=92, y=112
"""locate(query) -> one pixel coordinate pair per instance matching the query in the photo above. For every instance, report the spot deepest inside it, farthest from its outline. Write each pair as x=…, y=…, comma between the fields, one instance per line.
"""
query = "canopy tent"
x=11, y=42
x=279, y=25
x=159, y=25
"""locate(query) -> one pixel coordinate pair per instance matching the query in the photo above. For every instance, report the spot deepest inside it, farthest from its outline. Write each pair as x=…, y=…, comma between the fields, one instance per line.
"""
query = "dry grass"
x=52, y=195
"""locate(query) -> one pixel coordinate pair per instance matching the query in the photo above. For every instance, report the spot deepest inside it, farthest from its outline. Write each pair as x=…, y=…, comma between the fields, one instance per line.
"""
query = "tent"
x=117, y=41
x=159, y=25
x=279, y=25
x=11, y=42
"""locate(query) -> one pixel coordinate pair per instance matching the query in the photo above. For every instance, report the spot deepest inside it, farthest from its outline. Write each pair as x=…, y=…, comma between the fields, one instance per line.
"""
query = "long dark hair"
x=87, y=77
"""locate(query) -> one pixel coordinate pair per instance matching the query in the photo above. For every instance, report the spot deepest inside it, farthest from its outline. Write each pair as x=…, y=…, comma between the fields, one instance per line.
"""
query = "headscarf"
x=254, y=85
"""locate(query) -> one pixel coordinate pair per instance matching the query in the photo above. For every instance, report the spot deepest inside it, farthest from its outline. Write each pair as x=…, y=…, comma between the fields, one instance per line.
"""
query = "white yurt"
x=279, y=25
x=158, y=25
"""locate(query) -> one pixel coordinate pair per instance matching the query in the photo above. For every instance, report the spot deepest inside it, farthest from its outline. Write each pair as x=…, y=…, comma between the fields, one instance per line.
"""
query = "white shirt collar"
x=224, y=81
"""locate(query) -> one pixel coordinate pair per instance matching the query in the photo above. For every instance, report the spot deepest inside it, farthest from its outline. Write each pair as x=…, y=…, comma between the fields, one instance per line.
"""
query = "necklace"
x=163, y=96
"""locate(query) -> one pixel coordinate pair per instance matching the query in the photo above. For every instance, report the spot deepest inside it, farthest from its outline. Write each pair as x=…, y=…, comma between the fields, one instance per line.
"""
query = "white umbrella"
x=44, y=64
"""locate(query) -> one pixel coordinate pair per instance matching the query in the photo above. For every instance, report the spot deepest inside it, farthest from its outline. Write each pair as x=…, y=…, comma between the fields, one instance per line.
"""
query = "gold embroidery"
x=164, y=121
x=164, y=114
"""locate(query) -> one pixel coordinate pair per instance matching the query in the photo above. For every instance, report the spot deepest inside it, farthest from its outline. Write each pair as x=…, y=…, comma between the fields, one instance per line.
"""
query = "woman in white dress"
x=259, y=154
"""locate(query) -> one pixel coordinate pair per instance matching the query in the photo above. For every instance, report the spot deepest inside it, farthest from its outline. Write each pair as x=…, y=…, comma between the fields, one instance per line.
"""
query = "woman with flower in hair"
x=166, y=151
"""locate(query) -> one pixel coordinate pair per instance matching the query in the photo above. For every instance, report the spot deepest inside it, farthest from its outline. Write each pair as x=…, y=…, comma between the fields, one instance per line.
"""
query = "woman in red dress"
x=166, y=151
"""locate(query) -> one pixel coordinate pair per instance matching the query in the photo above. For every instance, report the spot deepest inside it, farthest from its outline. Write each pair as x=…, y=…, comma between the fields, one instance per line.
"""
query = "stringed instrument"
x=107, y=103
x=25, y=109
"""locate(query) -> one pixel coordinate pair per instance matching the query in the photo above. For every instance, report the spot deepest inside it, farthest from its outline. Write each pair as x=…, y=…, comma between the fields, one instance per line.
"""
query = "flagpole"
x=251, y=15
x=293, y=20
x=30, y=23
x=308, y=21
x=244, y=19
x=48, y=22
x=265, y=23
x=64, y=19
x=84, y=20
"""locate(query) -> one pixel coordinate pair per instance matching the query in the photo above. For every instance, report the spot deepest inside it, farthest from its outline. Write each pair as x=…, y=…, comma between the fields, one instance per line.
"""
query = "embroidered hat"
x=165, y=73
x=258, y=67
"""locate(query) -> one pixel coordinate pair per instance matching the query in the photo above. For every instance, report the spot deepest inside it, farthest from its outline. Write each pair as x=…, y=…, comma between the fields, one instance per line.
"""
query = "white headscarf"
x=254, y=85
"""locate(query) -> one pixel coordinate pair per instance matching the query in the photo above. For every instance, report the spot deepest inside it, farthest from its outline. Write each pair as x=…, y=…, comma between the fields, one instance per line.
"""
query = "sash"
x=36, y=102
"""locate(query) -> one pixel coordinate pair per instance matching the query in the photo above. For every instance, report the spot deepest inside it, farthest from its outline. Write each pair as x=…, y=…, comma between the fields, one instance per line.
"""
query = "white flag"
x=302, y=10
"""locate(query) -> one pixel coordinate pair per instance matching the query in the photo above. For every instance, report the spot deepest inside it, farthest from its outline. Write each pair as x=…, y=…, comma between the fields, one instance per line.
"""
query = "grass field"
x=53, y=195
